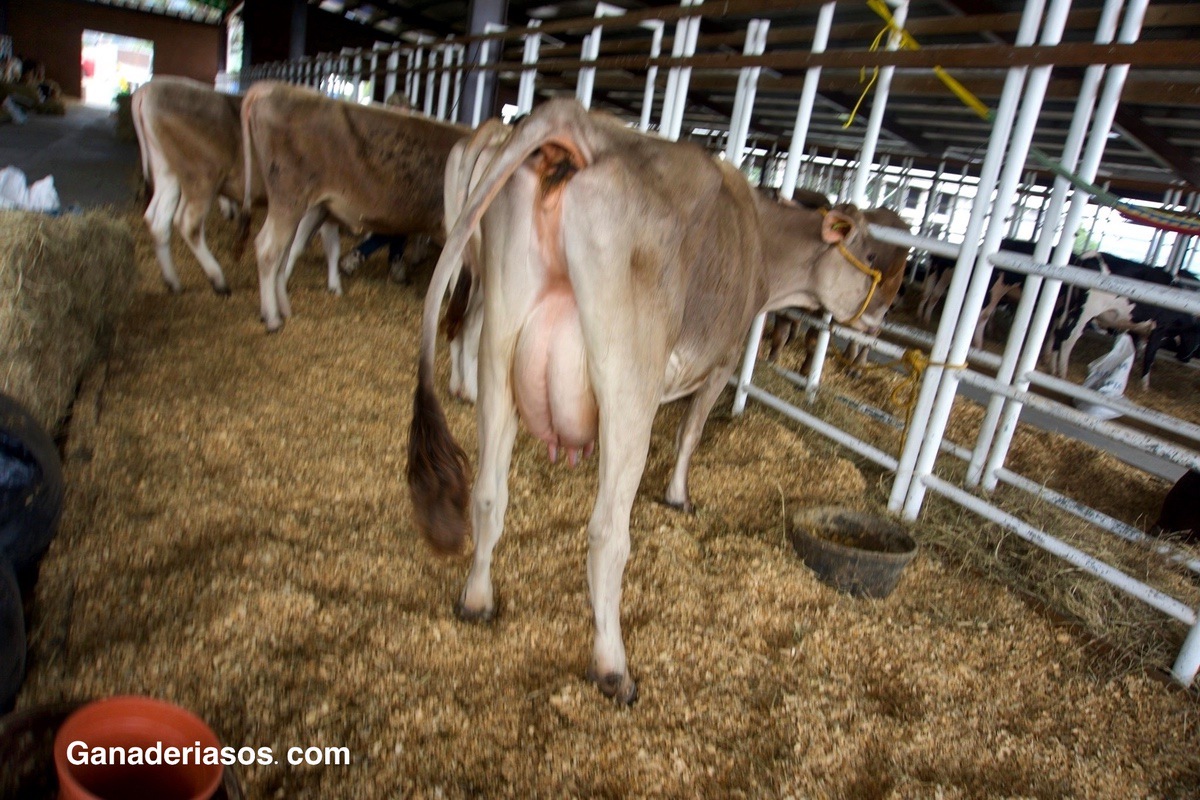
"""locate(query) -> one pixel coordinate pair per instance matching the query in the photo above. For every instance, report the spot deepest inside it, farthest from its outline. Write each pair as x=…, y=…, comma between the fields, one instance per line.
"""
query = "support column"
x=480, y=13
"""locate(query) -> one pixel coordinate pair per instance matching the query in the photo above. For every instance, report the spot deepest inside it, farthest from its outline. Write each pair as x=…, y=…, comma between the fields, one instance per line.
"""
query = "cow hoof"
x=616, y=686
x=335, y=290
x=686, y=506
x=223, y=291
x=480, y=617
x=175, y=288
x=276, y=328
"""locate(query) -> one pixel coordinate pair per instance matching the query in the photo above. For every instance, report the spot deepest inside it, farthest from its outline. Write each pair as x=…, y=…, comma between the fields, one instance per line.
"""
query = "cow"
x=369, y=168
x=894, y=259
x=1181, y=509
x=621, y=271
x=1003, y=285
x=1153, y=326
x=191, y=144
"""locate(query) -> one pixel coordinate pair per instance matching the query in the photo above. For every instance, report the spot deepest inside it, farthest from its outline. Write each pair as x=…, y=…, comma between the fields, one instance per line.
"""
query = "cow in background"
x=368, y=168
x=191, y=143
x=621, y=271
x=1152, y=326
x=1004, y=286
x=1181, y=509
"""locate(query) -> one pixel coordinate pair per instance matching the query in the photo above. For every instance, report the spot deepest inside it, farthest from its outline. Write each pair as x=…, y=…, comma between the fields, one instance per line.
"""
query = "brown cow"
x=892, y=263
x=191, y=143
x=368, y=167
x=622, y=271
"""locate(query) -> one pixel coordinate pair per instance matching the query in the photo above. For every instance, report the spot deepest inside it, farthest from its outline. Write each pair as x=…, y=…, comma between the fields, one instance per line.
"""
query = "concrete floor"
x=81, y=150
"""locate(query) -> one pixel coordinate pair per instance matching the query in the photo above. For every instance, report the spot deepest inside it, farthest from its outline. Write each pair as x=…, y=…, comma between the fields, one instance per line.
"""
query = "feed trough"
x=860, y=554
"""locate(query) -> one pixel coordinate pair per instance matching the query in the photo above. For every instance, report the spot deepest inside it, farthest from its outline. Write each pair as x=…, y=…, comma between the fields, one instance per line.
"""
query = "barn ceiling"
x=1157, y=134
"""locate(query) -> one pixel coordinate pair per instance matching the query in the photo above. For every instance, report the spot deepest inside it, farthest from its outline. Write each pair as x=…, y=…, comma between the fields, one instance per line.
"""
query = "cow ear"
x=835, y=227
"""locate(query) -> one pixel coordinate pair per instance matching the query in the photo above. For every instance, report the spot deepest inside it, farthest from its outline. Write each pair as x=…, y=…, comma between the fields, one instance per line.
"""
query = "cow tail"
x=139, y=128
x=243, y=220
x=437, y=465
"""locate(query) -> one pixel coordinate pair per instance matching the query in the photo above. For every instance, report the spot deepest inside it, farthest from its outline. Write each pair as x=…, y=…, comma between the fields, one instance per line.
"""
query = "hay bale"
x=63, y=282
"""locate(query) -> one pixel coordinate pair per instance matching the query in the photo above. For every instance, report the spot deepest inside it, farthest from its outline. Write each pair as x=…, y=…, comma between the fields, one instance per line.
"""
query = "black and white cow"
x=1004, y=285
x=1153, y=326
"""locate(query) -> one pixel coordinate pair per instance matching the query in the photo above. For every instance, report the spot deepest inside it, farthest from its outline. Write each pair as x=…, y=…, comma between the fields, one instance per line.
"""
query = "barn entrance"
x=112, y=64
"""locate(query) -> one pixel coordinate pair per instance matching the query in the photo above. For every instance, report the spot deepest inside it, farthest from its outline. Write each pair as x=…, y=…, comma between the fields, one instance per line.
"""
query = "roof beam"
x=1155, y=143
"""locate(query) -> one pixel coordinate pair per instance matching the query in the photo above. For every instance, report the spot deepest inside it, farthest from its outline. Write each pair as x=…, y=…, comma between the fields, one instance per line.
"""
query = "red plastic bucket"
x=111, y=730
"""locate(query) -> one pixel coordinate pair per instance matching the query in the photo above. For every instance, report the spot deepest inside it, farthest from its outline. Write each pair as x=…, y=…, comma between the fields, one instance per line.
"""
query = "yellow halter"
x=875, y=275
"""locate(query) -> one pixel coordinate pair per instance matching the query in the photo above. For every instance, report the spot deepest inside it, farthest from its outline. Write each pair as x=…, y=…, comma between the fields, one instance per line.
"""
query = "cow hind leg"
x=497, y=419
x=688, y=437
x=305, y=228
x=159, y=216
x=272, y=246
x=192, y=219
x=331, y=241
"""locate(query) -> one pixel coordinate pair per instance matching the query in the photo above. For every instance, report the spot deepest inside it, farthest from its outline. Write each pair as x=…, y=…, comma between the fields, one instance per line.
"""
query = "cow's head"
x=857, y=276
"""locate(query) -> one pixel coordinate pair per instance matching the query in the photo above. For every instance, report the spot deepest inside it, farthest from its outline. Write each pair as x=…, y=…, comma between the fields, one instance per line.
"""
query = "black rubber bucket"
x=860, y=554
x=31, y=497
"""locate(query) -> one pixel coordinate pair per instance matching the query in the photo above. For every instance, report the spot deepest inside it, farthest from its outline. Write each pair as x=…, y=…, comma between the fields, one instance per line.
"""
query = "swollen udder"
x=554, y=395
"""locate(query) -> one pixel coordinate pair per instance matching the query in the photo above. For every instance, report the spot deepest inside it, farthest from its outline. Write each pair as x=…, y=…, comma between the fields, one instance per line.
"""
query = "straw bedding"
x=63, y=283
x=238, y=540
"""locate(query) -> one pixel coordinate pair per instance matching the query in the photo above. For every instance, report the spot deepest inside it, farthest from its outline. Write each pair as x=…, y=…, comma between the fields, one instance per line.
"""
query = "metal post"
x=1104, y=114
x=799, y=135
x=389, y=81
x=688, y=29
x=1031, y=106
x=858, y=195
x=656, y=29
x=1171, y=199
x=916, y=442
x=743, y=104
x=1182, y=241
x=431, y=62
x=1022, y=137
x=590, y=51
x=412, y=75
x=448, y=65
x=527, y=87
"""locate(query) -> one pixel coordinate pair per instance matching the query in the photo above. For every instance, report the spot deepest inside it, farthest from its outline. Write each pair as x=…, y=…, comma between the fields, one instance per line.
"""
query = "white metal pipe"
x=808, y=96
x=1093, y=566
x=821, y=426
x=1156, y=239
x=1021, y=140
x=925, y=406
x=1143, y=291
x=818, y=357
x=756, y=43
x=883, y=85
x=656, y=28
x=748, y=360
x=393, y=68
x=1086, y=167
x=431, y=63
x=443, y=98
x=1097, y=518
x=1168, y=451
x=411, y=81
x=528, y=87
x=671, y=95
x=692, y=30
x=1187, y=664
x=459, y=61
x=1008, y=188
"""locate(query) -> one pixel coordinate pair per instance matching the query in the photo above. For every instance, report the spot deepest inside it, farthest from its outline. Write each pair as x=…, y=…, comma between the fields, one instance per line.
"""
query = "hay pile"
x=63, y=282
x=239, y=540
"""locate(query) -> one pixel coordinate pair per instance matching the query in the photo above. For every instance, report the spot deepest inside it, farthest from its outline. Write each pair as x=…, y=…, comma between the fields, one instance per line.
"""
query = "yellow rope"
x=904, y=395
x=909, y=43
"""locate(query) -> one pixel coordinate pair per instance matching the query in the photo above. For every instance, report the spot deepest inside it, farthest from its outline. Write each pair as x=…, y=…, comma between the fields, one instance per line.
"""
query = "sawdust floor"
x=238, y=540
